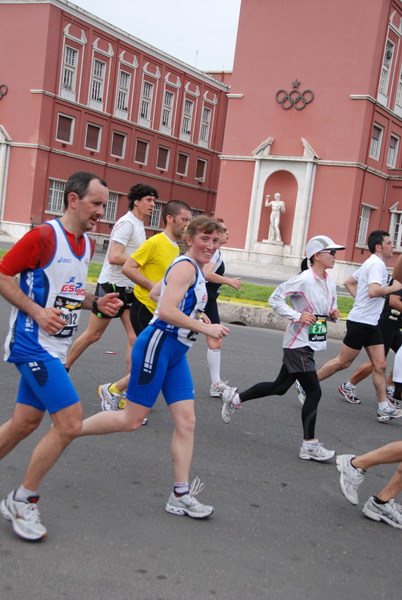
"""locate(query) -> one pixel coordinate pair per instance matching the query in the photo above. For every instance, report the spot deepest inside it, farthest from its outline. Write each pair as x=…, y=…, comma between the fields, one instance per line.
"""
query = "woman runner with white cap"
x=312, y=295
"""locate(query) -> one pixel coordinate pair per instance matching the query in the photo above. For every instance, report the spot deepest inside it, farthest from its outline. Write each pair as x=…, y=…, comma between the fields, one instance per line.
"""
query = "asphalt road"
x=281, y=528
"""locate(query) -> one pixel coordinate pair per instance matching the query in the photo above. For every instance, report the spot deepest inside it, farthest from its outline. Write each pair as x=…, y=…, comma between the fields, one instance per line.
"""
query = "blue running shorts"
x=45, y=385
x=159, y=363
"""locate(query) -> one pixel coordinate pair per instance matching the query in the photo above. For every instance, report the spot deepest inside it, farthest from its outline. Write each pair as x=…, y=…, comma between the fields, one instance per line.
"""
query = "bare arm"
x=47, y=318
x=109, y=304
x=375, y=290
x=395, y=302
x=179, y=279
x=116, y=254
x=351, y=285
x=234, y=282
x=131, y=269
x=397, y=274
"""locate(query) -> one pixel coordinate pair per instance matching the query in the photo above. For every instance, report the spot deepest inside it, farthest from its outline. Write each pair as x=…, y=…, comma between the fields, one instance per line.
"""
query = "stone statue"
x=277, y=206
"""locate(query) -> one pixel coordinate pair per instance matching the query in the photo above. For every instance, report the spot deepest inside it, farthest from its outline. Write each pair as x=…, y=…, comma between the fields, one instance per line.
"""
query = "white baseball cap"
x=320, y=243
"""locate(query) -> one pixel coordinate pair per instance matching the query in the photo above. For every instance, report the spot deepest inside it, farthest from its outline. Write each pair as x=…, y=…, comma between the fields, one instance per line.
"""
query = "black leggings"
x=280, y=386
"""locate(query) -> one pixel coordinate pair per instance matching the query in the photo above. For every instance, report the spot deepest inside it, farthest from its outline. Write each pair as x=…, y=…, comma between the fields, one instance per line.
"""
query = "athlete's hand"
x=217, y=331
x=307, y=318
x=235, y=282
x=109, y=304
x=205, y=319
x=50, y=320
x=334, y=314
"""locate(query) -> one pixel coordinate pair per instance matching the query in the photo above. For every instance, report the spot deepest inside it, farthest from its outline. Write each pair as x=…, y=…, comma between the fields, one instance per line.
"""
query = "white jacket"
x=307, y=293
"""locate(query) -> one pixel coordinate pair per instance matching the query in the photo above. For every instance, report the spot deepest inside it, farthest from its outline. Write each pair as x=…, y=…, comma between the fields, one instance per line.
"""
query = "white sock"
x=350, y=385
x=309, y=443
x=22, y=495
x=214, y=364
x=382, y=405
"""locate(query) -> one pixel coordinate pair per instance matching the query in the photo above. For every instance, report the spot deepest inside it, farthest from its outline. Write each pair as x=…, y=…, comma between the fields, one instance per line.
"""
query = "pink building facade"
x=79, y=94
x=315, y=114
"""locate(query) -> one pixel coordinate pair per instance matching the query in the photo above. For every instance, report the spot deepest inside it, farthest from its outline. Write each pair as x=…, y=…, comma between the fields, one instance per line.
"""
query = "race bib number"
x=318, y=331
x=71, y=314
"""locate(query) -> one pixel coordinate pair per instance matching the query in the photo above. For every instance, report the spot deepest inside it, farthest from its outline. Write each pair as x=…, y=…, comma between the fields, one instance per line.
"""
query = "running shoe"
x=390, y=391
x=317, y=452
x=301, y=394
x=350, y=478
x=109, y=401
x=390, y=513
x=188, y=505
x=388, y=413
x=230, y=400
x=216, y=389
x=349, y=394
x=24, y=516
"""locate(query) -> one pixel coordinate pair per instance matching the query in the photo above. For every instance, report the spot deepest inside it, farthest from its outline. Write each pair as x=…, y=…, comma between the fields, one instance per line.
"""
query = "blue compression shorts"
x=159, y=363
x=45, y=385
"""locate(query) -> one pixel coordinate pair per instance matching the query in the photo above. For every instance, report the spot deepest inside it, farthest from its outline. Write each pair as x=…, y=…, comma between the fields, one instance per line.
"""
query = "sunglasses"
x=331, y=252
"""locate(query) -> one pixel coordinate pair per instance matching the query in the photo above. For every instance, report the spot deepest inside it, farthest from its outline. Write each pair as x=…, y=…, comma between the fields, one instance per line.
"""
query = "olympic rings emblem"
x=294, y=98
x=3, y=90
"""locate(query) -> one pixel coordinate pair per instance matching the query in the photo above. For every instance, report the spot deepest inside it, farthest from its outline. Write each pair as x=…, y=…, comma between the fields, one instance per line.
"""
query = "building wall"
x=79, y=102
x=337, y=50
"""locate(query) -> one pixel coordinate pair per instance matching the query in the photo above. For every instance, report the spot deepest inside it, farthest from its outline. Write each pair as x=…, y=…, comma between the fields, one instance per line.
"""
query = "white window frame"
x=167, y=112
x=375, y=143
x=124, y=144
x=202, y=178
x=364, y=219
x=167, y=159
x=70, y=70
x=97, y=83
x=123, y=94
x=72, y=119
x=55, y=198
x=393, y=150
x=145, y=112
x=111, y=207
x=386, y=69
x=187, y=120
x=99, y=137
x=146, y=152
x=205, y=126
x=187, y=161
x=155, y=216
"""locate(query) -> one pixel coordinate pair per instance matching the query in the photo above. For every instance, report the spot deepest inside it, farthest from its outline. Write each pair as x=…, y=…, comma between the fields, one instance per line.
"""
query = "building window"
x=167, y=109
x=141, y=152
x=386, y=67
x=375, y=145
x=123, y=90
x=200, y=170
x=163, y=158
x=118, y=144
x=55, y=199
x=187, y=117
x=395, y=229
x=155, y=218
x=398, y=100
x=195, y=213
x=393, y=150
x=93, y=137
x=111, y=207
x=70, y=69
x=98, y=79
x=146, y=102
x=205, y=123
x=182, y=164
x=363, y=225
x=65, y=129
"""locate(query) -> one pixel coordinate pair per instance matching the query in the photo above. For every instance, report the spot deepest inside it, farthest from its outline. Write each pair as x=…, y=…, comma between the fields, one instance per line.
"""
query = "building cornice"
x=93, y=20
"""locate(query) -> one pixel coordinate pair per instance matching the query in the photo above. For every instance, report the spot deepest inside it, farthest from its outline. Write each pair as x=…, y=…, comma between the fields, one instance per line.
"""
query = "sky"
x=201, y=33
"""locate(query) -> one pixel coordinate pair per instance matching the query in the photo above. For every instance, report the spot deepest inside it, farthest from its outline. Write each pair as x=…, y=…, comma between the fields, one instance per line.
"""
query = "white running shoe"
x=188, y=505
x=349, y=394
x=390, y=391
x=390, y=513
x=388, y=413
x=217, y=389
x=230, y=400
x=24, y=516
x=316, y=451
x=301, y=394
x=109, y=401
x=350, y=478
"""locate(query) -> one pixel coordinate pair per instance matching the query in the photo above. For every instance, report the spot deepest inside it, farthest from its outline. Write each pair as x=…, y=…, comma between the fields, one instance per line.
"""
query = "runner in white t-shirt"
x=368, y=285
